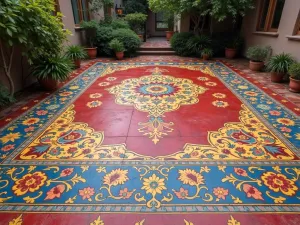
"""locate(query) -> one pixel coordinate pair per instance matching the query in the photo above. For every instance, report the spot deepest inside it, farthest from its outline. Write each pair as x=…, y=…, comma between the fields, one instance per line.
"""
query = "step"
x=156, y=52
x=155, y=49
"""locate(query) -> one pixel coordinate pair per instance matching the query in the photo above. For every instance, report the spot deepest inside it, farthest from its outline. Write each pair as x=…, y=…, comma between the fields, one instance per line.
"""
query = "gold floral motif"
x=248, y=139
x=154, y=185
x=156, y=94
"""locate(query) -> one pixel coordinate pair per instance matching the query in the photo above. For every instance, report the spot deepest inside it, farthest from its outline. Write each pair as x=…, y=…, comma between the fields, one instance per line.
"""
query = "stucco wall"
x=68, y=20
x=151, y=26
x=286, y=27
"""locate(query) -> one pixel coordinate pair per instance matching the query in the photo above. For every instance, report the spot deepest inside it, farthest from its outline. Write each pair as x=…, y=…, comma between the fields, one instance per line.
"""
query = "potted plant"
x=206, y=53
x=294, y=72
x=118, y=48
x=257, y=56
x=136, y=22
x=49, y=71
x=170, y=31
x=90, y=28
x=279, y=65
x=233, y=46
x=76, y=53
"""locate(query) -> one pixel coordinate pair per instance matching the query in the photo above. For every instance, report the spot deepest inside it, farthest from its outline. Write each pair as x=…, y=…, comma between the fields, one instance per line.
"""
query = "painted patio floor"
x=152, y=142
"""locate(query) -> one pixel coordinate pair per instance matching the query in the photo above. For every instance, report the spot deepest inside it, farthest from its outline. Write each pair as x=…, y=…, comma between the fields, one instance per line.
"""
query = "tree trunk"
x=7, y=68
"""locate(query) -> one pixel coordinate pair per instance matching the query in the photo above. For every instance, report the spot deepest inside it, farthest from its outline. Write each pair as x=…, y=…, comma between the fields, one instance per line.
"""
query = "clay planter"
x=294, y=85
x=230, y=53
x=48, y=84
x=77, y=63
x=205, y=57
x=256, y=66
x=277, y=77
x=92, y=52
x=169, y=35
x=120, y=55
x=141, y=37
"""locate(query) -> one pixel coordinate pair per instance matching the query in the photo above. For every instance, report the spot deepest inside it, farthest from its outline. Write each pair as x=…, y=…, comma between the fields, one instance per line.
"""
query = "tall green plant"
x=136, y=21
x=33, y=27
x=280, y=63
x=90, y=28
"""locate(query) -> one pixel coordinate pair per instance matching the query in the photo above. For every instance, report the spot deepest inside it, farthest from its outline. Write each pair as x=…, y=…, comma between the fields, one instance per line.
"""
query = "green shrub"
x=136, y=6
x=280, y=63
x=103, y=36
x=235, y=41
x=119, y=24
x=57, y=68
x=294, y=71
x=130, y=40
x=136, y=21
x=116, y=45
x=90, y=28
x=179, y=42
x=258, y=53
x=5, y=97
x=75, y=52
x=197, y=43
x=207, y=51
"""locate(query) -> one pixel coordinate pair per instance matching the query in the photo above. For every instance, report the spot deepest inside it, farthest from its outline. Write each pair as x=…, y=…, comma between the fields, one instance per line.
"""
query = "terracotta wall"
x=279, y=42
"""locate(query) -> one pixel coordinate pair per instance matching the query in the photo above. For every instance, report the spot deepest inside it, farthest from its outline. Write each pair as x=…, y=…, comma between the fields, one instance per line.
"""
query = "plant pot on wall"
x=230, y=53
x=205, y=57
x=120, y=55
x=294, y=85
x=92, y=52
x=169, y=35
x=48, y=84
x=277, y=77
x=256, y=66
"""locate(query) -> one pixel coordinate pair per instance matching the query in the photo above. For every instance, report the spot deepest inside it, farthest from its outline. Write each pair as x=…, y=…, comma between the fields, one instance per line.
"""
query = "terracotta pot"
x=48, y=84
x=230, y=53
x=169, y=35
x=120, y=55
x=77, y=63
x=277, y=77
x=141, y=37
x=256, y=66
x=294, y=85
x=92, y=52
x=205, y=57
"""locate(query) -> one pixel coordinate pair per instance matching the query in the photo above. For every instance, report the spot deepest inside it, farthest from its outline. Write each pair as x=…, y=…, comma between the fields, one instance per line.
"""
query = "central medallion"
x=157, y=94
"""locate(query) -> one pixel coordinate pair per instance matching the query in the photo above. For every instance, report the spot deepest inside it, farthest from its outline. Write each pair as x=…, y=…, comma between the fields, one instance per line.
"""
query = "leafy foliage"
x=136, y=21
x=119, y=23
x=90, y=28
x=258, y=53
x=235, y=41
x=75, y=52
x=136, y=6
x=130, y=39
x=217, y=9
x=56, y=68
x=197, y=43
x=5, y=97
x=116, y=45
x=103, y=37
x=207, y=51
x=280, y=63
x=294, y=71
x=178, y=43
x=33, y=26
